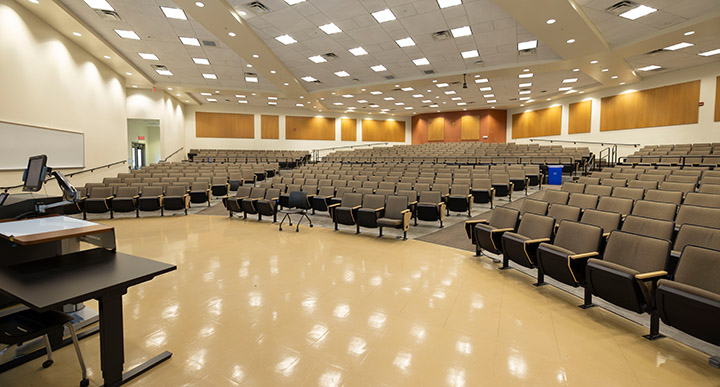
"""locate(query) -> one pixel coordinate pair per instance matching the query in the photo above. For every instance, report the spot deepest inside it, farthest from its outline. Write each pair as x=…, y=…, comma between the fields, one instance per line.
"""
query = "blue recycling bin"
x=555, y=174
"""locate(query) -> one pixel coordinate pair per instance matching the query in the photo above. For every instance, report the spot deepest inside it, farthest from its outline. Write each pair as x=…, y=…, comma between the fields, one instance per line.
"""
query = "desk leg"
x=112, y=351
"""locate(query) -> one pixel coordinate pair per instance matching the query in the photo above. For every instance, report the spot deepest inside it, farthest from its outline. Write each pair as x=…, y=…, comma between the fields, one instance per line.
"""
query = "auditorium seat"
x=482, y=191
x=553, y=196
x=606, y=220
x=151, y=200
x=126, y=200
x=346, y=211
x=98, y=201
x=656, y=228
x=430, y=207
x=249, y=204
x=502, y=185
x=572, y=187
x=176, y=198
x=397, y=215
x=628, y=193
x=460, y=199
x=373, y=208
x=583, y=201
x=562, y=212
x=702, y=199
x=645, y=185
x=701, y=216
x=533, y=206
x=487, y=234
x=674, y=197
x=621, y=205
x=200, y=193
x=521, y=246
x=599, y=190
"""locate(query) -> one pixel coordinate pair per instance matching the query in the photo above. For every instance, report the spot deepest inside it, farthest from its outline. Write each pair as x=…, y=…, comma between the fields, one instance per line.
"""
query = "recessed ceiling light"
x=421, y=62
x=605, y=70
x=376, y=92
x=242, y=101
x=362, y=101
x=383, y=16
x=249, y=79
x=525, y=92
x=524, y=98
x=256, y=56
x=77, y=34
x=526, y=75
x=407, y=89
x=273, y=72
x=530, y=44
x=106, y=57
x=418, y=96
x=205, y=93
x=614, y=77
x=408, y=108
x=375, y=106
x=293, y=2
x=448, y=3
x=689, y=33
x=593, y=61
x=481, y=80
x=525, y=85
x=199, y=4
x=330, y=28
x=189, y=41
x=638, y=12
x=487, y=88
x=299, y=105
x=174, y=13
x=564, y=88
x=273, y=98
x=358, y=51
x=308, y=79
x=286, y=84
x=678, y=46
x=622, y=83
x=405, y=42
x=710, y=53
x=342, y=74
x=426, y=101
x=211, y=76
x=337, y=103
x=125, y=34
x=470, y=54
x=237, y=95
x=285, y=39
x=348, y=95
x=201, y=61
x=211, y=99
x=317, y=59
x=450, y=92
x=462, y=103
x=232, y=34
x=570, y=41
x=399, y=103
x=442, y=85
x=164, y=72
x=491, y=101
x=272, y=103
x=576, y=70
x=649, y=68
x=148, y=56
x=378, y=68
x=94, y=4
x=456, y=98
x=550, y=21
x=461, y=31
x=389, y=98
x=128, y=73
x=488, y=95
x=570, y=80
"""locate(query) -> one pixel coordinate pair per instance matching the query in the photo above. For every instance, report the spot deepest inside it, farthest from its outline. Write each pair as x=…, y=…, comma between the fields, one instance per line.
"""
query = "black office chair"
x=298, y=203
x=26, y=325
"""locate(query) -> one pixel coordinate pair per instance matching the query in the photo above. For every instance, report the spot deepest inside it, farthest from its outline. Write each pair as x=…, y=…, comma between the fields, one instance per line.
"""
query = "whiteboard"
x=18, y=142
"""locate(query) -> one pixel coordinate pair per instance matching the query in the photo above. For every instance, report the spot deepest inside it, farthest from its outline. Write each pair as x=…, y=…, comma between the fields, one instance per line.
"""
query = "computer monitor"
x=34, y=175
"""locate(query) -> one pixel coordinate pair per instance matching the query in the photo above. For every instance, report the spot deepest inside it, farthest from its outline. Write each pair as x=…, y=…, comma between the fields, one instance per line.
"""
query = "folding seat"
x=702, y=199
x=426, y=180
x=265, y=184
x=339, y=183
x=620, y=205
x=282, y=187
x=404, y=186
x=325, y=183
x=365, y=191
x=614, y=182
x=645, y=185
x=99, y=201
x=566, y=258
x=386, y=185
x=132, y=180
x=487, y=234
x=601, y=175
x=606, y=220
x=373, y=208
x=564, y=212
x=700, y=216
x=655, y=228
x=679, y=187
x=553, y=196
x=519, y=180
x=521, y=247
x=533, y=206
x=502, y=185
x=285, y=196
x=311, y=190
x=583, y=201
x=408, y=179
x=346, y=211
x=298, y=180
x=462, y=180
x=125, y=200
x=421, y=187
x=151, y=200
x=674, y=197
x=248, y=176
x=176, y=198
x=444, y=181
x=627, y=275
x=682, y=179
x=629, y=193
x=220, y=186
x=354, y=184
x=333, y=176
x=587, y=180
x=322, y=199
x=249, y=204
x=483, y=191
x=430, y=207
x=339, y=193
x=655, y=210
x=444, y=190
x=572, y=187
x=186, y=180
x=200, y=193
x=370, y=184
x=710, y=188
x=652, y=177
x=624, y=176
x=152, y=180
x=311, y=181
x=460, y=199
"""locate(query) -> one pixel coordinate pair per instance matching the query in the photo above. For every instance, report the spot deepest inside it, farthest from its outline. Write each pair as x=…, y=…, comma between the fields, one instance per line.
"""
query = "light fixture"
x=106, y=57
x=237, y=95
x=126, y=34
x=491, y=101
x=376, y=92
x=383, y=16
x=211, y=76
x=362, y=101
x=286, y=84
x=199, y=4
x=526, y=75
x=201, y=61
x=450, y=92
x=456, y=98
x=678, y=46
x=358, y=51
x=342, y=74
x=188, y=41
x=488, y=95
x=317, y=59
x=299, y=105
x=570, y=80
x=418, y=96
x=570, y=41
x=614, y=77
x=470, y=54
x=174, y=13
x=273, y=98
x=524, y=98
x=405, y=42
x=407, y=89
x=689, y=33
x=232, y=34
x=164, y=72
x=421, y=62
x=593, y=62
x=308, y=79
x=550, y=21
x=273, y=72
x=448, y=3
x=330, y=28
x=337, y=103
x=378, y=68
x=529, y=45
x=206, y=94
x=348, y=95
x=77, y=34
x=710, y=53
x=249, y=79
x=576, y=70
x=256, y=56
x=94, y=4
x=605, y=70
x=622, y=83
x=525, y=85
x=524, y=92
x=211, y=99
x=242, y=101
x=564, y=88
x=293, y=2
x=272, y=103
x=638, y=12
x=389, y=98
x=442, y=85
x=34, y=1
x=128, y=74
x=486, y=88
x=400, y=103
x=481, y=80
x=649, y=68
x=248, y=65
x=461, y=31
x=148, y=56
x=285, y=39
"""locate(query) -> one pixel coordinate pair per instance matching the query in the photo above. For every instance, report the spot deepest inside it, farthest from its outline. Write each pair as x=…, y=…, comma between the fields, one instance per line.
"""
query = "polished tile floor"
x=252, y=306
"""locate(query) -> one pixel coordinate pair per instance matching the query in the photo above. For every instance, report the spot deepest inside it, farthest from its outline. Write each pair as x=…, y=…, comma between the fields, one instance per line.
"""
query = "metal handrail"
x=72, y=174
x=173, y=154
x=316, y=152
x=601, y=143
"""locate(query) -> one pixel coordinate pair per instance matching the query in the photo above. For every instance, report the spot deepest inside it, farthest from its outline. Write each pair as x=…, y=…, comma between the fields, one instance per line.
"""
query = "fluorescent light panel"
x=470, y=54
x=378, y=68
x=99, y=4
x=293, y=2
x=487, y=88
x=448, y=3
x=638, y=12
x=330, y=28
x=126, y=34
x=201, y=61
x=481, y=80
x=317, y=59
x=188, y=41
x=285, y=39
x=421, y=62
x=407, y=89
x=526, y=75
x=530, y=44
x=405, y=42
x=461, y=31
x=525, y=85
x=710, y=53
x=649, y=68
x=164, y=72
x=211, y=76
x=148, y=56
x=358, y=51
x=342, y=74
x=570, y=80
x=308, y=79
x=174, y=13
x=678, y=46
x=383, y=16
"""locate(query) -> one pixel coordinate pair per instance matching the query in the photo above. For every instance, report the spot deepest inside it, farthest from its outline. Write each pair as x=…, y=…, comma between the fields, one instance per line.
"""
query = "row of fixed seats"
x=705, y=154
x=623, y=264
x=129, y=199
x=669, y=193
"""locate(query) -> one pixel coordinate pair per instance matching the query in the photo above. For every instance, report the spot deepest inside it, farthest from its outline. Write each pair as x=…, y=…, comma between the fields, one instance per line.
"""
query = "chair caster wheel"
x=84, y=383
x=311, y=225
x=47, y=363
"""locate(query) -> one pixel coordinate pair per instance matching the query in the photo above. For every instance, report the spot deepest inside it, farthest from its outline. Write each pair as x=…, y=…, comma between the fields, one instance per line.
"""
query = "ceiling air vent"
x=159, y=67
x=513, y=99
x=258, y=7
x=480, y=63
x=621, y=7
x=528, y=52
x=654, y=52
x=317, y=81
x=389, y=77
x=251, y=74
x=428, y=72
x=330, y=56
x=108, y=15
x=441, y=35
x=209, y=43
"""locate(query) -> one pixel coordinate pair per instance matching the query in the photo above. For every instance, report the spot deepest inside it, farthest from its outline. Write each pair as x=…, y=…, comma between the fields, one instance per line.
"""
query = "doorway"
x=138, y=155
x=143, y=142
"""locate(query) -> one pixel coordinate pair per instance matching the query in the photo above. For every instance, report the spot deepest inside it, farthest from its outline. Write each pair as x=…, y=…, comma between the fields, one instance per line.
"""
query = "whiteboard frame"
x=82, y=135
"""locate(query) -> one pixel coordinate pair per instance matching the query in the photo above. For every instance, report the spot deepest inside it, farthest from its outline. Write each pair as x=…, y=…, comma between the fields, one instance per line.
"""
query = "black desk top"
x=77, y=277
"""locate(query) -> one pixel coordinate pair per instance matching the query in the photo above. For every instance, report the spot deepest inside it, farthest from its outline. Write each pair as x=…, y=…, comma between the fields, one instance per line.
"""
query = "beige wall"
x=149, y=105
x=47, y=80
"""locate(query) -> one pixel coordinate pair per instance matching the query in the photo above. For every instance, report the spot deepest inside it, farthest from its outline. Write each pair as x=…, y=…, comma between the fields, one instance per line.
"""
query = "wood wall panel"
x=224, y=125
x=436, y=129
x=348, y=129
x=309, y=128
x=537, y=123
x=580, y=117
x=662, y=106
x=383, y=131
x=470, y=127
x=269, y=127
x=717, y=100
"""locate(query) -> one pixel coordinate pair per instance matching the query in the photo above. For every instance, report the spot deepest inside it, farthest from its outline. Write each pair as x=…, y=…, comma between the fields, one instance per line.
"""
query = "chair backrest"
x=572, y=187
x=621, y=205
x=657, y=228
x=589, y=180
x=442, y=188
x=533, y=206
x=608, y=221
x=272, y=193
x=652, y=177
x=422, y=187
x=614, y=182
x=198, y=186
x=152, y=191
x=629, y=193
x=564, y=212
x=702, y=199
x=101, y=192
x=386, y=185
x=672, y=186
x=641, y=253
x=481, y=184
x=215, y=180
x=600, y=190
x=178, y=190
x=370, y=184
x=409, y=194
x=395, y=206
x=460, y=189
x=127, y=192
x=373, y=201
x=691, y=234
x=710, y=188
x=655, y=210
x=655, y=195
x=351, y=199
x=536, y=226
x=404, y=186
x=578, y=237
x=326, y=191
x=430, y=197
x=299, y=199
x=643, y=184
x=553, y=196
x=699, y=267
x=500, y=178
x=583, y=201
x=341, y=191
x=701, y=216
x=257, y=193
x=504, y=217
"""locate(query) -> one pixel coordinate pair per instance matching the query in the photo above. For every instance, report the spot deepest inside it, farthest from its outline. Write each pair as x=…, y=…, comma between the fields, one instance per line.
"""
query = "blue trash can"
x=555, y=174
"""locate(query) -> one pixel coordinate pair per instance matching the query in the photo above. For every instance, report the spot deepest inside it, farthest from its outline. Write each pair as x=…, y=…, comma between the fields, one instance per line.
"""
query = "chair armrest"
x=275, y=199
x=405, y=211
x=654, y=275
x=533, y=241
x=334, y=205
x=606, y=234
x=414, y=202
x=476, y=221
x=355, y=208
x=502, y=230
x=379, y=209
x=584, y=255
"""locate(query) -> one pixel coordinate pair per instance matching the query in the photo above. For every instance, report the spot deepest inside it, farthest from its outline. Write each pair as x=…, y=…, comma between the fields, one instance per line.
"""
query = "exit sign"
x=141, y=137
